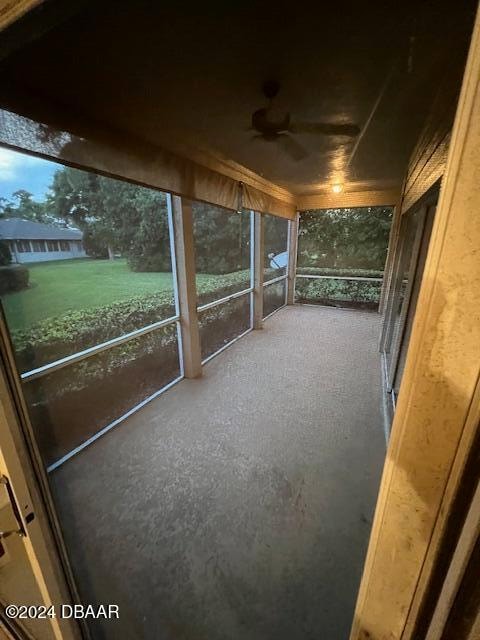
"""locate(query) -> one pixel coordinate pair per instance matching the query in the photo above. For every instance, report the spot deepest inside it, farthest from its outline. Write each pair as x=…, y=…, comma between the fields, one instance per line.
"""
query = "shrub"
x=270, y=274
x=331, y=291
x=210, y=289
x=328, y=271
x=13, y=277
x=54, y=338
x=94, y=247
x=155, y=262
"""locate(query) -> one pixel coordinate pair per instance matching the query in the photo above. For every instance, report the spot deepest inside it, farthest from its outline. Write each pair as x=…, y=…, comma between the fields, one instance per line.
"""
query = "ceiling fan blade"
x=291, y=147
x=325, y=128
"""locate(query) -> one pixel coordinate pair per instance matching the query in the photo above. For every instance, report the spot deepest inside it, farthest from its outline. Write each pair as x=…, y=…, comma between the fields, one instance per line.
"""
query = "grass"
x=73, y=285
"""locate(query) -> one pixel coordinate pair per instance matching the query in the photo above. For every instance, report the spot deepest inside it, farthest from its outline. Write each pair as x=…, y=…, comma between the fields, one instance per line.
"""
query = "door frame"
x=20, y=458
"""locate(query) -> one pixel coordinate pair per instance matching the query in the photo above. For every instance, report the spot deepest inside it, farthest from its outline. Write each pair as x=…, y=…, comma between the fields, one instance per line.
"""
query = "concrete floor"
x=238, y=506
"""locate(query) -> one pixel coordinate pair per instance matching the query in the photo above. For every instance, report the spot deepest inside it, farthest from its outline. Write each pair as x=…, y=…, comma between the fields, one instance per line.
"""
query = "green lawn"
x=66, y=285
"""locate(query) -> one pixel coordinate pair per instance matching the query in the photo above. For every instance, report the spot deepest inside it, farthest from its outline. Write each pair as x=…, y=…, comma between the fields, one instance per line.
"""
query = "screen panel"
x=273, y=297
x=403, y=274
x=85, y=260
x=343, y=251
x=333, y=291
x=221, y=324
x=275, y=247
x=222, y=251
x=96, y=265
x=70, y=405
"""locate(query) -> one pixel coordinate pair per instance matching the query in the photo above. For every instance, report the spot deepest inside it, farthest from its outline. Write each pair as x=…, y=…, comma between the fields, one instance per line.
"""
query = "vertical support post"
x=258, y=251
x=292, y=257
x=187, y=292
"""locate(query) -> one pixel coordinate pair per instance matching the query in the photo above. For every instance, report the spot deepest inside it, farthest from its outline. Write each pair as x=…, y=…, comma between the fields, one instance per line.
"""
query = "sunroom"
x=207, y=392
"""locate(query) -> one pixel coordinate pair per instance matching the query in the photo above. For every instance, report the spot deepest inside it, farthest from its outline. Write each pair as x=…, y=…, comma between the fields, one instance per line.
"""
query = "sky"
x=19, y=171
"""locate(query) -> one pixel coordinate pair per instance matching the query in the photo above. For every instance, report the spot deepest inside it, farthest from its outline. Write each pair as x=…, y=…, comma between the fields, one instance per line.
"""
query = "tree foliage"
x=222, y=239
x=115, y=216
x=275, y=232
x=5, y=253
x=355, y=238
x=22, y=205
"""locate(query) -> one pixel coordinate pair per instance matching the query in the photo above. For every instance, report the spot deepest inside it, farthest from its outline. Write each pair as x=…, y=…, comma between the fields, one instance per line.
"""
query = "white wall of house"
x=75, y=250
x=38, y=256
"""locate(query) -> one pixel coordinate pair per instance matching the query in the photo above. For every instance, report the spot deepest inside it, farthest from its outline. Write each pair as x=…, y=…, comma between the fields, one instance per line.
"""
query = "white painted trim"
x=361, y=279
x=258, y=249
x=274, y=280
x=232, y=296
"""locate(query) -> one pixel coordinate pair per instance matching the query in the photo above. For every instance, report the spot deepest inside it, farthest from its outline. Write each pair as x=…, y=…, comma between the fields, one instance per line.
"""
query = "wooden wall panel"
x=441, y=374
x=427, y=163
x=12, y=10
x=348, y=199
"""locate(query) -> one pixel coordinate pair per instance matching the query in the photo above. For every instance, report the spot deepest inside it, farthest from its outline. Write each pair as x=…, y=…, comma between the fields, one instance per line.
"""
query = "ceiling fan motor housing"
x=269, y=128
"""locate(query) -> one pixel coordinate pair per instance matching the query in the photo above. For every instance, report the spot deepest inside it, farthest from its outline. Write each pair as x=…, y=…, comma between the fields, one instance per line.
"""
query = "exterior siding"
x=45, y=256
x=76, y=251
x=429, y=158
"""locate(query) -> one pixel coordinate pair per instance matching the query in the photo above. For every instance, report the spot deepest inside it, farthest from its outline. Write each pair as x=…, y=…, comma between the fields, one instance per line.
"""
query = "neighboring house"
x=36, y=242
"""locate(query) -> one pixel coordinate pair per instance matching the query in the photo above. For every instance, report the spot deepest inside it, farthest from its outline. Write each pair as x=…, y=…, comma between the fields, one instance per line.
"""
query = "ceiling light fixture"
x=337, y=188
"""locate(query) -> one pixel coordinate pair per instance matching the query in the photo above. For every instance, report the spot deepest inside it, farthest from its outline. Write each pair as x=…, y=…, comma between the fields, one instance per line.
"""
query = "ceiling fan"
x=280, y=131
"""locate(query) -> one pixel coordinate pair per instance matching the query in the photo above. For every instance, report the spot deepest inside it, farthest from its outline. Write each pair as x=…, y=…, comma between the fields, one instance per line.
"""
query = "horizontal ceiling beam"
x=10, y=11
x=349, y=199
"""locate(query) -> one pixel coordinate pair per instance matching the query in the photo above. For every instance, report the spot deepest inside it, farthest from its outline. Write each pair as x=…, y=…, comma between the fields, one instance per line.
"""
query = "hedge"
x=71, y=404
x=338, y=292
x=13, y=277
x=353, y=273
x=211, y=290
x=57, y=337
x=54, y=338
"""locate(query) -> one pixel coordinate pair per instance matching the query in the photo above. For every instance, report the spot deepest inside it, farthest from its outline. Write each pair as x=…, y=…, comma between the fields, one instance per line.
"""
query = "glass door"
x=410, y=231
x=403, y=339
x=414, y=238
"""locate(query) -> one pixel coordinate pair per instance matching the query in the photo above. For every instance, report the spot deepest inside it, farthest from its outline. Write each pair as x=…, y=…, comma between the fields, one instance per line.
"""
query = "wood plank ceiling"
x=188, y=78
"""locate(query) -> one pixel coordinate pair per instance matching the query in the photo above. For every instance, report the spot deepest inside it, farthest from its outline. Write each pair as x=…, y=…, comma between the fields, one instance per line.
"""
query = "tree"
x=115, y=217
x=275, y=237
x=119, y=217
x=355, y=238
x=5, y=253
x=24, y=206
x=221, y=239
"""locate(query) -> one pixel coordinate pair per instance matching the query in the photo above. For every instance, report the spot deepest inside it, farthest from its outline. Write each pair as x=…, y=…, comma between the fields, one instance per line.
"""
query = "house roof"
x=18, y=229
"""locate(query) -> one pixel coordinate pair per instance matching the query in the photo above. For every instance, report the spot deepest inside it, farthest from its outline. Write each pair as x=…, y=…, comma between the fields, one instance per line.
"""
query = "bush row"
x=74, y=331
x=354, y=292
x=353, y=273
x=212, y=288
